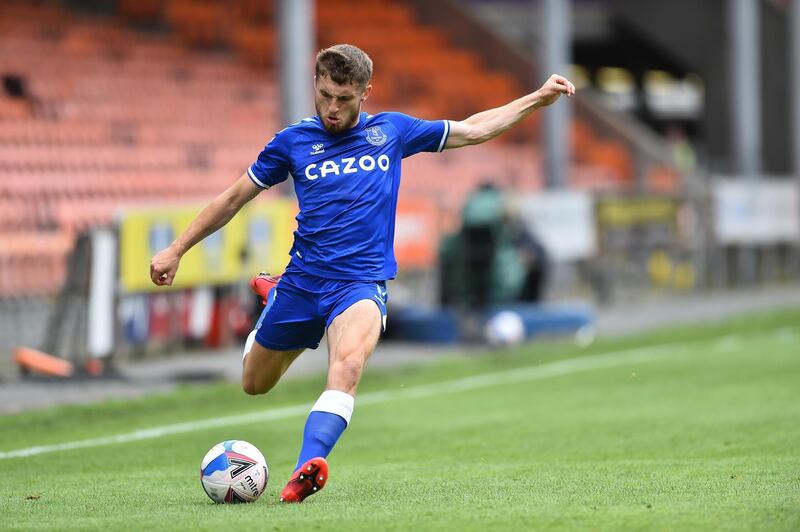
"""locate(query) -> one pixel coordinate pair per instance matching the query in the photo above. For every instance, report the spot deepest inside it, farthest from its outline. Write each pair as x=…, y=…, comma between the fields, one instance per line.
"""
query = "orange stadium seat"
x=199, y=22
x=257, y=44
x=255, y=10
x=14, y=109
x=614, y=157
x=32, y=263
x=140, y=10
x=662, y=179
x=581, y=138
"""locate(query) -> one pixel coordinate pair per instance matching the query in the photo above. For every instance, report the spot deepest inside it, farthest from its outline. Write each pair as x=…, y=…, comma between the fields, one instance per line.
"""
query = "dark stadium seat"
x=140, y=10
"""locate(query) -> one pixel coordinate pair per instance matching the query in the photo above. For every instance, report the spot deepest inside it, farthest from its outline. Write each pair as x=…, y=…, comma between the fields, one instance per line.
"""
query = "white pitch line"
x=523, y=374
x=727, y=343
x=786, y=335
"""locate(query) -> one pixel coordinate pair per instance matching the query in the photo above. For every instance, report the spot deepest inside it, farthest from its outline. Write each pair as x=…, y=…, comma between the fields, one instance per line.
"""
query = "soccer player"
x=345, y=165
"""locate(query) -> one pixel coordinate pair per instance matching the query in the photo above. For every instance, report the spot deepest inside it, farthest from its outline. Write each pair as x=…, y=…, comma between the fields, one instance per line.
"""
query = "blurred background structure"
x=674, y=170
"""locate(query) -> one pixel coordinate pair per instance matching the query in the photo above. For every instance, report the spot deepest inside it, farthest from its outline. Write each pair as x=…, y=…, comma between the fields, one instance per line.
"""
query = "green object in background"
x=484, y=212
x=508, y=274
x=484, y=207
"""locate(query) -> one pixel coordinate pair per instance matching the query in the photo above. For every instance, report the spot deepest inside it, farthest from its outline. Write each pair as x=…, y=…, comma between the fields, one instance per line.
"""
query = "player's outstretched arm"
x=216, y=214
x=488, y=124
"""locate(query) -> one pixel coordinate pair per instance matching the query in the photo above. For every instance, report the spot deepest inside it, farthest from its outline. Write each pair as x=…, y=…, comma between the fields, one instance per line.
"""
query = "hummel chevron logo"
x=316, y=149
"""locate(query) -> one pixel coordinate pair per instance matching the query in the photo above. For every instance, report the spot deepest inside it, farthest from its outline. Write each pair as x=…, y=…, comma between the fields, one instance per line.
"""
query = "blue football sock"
x=320, y=435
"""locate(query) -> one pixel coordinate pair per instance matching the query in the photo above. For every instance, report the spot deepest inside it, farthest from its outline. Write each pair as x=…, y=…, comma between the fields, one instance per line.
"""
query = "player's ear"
x=367, y=90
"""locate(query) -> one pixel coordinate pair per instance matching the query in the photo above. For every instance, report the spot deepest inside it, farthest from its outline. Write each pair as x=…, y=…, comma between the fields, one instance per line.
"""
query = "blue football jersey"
x=347, y=187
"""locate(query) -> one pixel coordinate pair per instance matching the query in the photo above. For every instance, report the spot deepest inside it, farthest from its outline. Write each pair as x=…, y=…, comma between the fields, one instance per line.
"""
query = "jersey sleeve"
x=421, y=135
x=272, y=166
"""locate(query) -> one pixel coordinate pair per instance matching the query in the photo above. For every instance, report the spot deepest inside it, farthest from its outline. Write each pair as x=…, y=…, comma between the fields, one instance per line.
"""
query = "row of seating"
x=24, y=187
x=189, y=112
x=79, y=158
x=103, y=60
x=105, y=85
x=33, y=264
x=251, y=134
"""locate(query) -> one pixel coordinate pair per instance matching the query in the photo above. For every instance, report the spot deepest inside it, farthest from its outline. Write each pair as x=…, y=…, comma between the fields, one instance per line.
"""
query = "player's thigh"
x=352, y=337
x=356, y=316
x=263, y=367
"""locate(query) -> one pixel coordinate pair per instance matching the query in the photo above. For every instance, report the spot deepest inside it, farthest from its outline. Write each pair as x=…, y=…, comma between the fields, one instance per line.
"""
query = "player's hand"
x=554, y=87
x=164, y=266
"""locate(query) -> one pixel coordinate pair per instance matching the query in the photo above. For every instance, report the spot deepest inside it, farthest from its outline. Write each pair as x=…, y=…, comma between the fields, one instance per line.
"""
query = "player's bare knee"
x=255, y=389
x=252, y=386
x=249, y=386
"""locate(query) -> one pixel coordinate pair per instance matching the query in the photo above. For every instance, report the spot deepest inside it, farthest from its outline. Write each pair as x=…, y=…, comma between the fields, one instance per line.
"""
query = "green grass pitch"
x=684, y=429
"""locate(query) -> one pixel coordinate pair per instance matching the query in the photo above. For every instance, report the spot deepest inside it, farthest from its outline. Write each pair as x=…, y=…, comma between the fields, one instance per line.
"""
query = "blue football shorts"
x=302, y=306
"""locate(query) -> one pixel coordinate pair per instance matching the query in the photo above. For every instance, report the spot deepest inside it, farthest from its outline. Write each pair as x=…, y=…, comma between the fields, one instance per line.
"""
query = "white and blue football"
x=234, y=471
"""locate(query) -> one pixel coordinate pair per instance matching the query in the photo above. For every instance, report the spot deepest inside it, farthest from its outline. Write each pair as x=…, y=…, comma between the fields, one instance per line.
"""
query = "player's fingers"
x=157, y=276
x=565, y=84
x=554, y=85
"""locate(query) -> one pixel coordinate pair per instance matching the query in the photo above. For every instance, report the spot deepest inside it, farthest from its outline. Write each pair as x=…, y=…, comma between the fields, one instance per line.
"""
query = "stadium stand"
x=108, y=115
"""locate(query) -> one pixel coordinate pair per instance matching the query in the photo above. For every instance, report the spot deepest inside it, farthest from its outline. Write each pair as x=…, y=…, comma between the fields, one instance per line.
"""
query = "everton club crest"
x=375, y=136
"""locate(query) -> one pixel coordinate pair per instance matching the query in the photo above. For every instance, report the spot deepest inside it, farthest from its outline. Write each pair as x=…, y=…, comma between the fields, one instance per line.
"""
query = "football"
x=234, y=471
x=505, y=329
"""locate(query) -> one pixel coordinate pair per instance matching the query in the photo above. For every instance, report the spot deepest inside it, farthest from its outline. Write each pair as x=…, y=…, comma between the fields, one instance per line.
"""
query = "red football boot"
x=309, y=479
x=262, y=283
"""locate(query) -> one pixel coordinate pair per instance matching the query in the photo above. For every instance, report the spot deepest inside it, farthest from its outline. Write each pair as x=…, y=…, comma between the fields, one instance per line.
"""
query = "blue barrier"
x=443, y=325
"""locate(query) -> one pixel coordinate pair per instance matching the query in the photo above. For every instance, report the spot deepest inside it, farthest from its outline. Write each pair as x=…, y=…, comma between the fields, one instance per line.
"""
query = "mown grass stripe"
x=524, y=374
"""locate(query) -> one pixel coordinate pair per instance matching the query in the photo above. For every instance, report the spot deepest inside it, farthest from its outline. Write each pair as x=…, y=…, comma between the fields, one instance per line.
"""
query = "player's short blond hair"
x=345, y=63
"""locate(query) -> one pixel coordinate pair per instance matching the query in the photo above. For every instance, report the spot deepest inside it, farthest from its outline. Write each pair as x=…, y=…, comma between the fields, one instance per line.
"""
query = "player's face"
x=338, y=105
